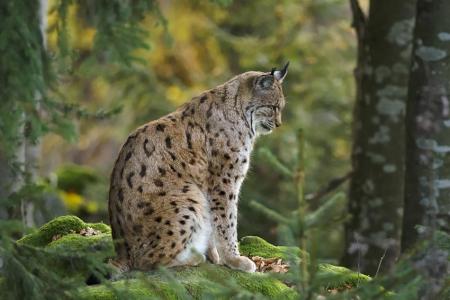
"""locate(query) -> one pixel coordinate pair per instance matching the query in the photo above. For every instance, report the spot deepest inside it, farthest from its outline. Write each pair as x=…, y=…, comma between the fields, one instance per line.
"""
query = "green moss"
x=208, y=275
x=329, y=275
x=256, y=246
x=75, y=244
x=72, y=255
x=206, y=280
x=100, y=227
x=76, y=257
x=61, y=225
x=129, y=289
x=335, y=276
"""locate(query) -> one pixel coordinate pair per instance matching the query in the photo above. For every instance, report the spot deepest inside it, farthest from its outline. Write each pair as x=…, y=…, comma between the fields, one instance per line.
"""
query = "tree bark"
x=427, y=183
x=31, y=149
x=28, y=151
x=427, y=187
x=376, y=187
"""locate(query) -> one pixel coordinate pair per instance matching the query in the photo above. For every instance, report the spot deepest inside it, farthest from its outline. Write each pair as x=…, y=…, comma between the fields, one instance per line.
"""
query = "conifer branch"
x=275, y=162
x=331, y=186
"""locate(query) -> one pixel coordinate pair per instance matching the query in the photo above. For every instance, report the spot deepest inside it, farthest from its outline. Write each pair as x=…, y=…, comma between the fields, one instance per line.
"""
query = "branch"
x=359, y=19
x=275, y=163
x=270, y=213
x=328, y=213
x=331, y=186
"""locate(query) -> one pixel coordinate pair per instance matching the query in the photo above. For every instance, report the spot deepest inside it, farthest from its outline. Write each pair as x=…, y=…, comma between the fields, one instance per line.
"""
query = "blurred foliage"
x=75, y=178
x=82, y=190
x=202, y=44
x=30, y=75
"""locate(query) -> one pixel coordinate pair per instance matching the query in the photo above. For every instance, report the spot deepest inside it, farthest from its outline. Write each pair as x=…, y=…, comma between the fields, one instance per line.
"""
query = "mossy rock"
x=332, y=276
x=61, y=248
x=205, y=281
x=256, y=246
x=335, y=277
x=72, y=254
x=62, y=226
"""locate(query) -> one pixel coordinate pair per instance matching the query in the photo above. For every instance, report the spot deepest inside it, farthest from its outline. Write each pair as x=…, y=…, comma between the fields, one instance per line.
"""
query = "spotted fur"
x=175, y=185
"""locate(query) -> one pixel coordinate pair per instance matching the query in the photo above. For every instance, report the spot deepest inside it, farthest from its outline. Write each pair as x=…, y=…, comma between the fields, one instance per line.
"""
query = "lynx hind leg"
x=200, y=230
x=177, y=233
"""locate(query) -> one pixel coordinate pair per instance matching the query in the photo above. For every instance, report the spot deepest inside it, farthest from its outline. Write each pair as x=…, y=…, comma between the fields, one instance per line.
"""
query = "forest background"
x=115, y=67
x=199, y=45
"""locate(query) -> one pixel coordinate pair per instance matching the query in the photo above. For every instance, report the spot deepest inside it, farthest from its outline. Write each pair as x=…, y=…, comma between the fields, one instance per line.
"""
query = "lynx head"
x=264, y=100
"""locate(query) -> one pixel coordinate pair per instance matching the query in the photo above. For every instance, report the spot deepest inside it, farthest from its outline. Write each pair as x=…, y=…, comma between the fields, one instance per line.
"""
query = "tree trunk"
x=427, y=184
x=376, y=188
x=28, y=151
x=427, y=187
x=32, y=149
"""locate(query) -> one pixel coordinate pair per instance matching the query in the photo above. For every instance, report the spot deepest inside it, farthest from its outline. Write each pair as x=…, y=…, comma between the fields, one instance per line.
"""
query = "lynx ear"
x=280, y=75
x=266, y=81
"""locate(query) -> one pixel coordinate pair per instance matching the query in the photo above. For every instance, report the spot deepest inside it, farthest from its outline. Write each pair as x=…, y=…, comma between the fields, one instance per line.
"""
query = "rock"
x=68, y=251
x=205, y=281
x=256, y=246
x=77, y=250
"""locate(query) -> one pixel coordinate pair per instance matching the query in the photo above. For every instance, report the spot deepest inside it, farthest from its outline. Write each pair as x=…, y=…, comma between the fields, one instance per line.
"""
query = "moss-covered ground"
x=76, y=257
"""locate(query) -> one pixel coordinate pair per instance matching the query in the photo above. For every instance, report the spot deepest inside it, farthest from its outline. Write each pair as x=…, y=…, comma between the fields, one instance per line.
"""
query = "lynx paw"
x=118, y=267
x=196, y=259
x=241, y=263
x=213, y=255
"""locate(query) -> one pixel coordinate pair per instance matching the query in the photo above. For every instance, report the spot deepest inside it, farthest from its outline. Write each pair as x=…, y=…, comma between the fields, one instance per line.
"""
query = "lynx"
x=175, y=184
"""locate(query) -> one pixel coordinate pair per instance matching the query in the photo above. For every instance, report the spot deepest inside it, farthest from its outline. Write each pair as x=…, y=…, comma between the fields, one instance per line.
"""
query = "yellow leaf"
x=73, y=201
x=91, y=207
x=341, y=149
x=175, y=95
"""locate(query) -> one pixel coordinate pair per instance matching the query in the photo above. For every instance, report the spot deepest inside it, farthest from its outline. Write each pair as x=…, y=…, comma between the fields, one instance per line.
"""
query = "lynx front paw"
x=213, y=255
x=242, y=263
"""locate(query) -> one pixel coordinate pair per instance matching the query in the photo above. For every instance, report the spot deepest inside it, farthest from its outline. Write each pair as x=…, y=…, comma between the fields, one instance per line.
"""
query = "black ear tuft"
x=280, y=75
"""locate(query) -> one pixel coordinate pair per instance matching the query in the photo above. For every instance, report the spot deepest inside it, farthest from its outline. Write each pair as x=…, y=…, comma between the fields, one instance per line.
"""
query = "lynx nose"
x=278, y=121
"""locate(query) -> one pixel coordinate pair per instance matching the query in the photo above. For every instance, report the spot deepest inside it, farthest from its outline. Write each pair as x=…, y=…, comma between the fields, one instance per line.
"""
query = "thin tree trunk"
x=30, y=150
x=376, y=187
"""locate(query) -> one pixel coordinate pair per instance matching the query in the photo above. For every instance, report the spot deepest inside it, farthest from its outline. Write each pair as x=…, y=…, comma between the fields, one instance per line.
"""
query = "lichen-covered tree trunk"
x=376, y=188
x=427, y=185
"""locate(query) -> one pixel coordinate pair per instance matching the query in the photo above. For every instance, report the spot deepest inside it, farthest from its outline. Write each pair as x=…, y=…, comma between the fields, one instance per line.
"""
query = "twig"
x=270, y=213
x=359, y=19
x=331, y=186
x=380, y=262
x=359, y=23
x=300, y=181
x=275, y=163
x=359, y=263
